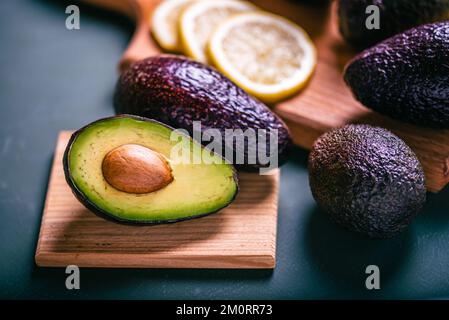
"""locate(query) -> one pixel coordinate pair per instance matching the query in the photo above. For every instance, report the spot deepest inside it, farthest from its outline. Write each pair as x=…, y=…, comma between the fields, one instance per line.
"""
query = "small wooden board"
x=242, y=235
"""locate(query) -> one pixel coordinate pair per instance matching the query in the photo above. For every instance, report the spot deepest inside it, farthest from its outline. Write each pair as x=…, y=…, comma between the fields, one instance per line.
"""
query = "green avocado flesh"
x=197, y=189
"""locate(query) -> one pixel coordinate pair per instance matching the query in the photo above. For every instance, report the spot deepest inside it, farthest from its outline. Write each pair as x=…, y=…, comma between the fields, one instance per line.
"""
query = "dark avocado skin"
x=406, y=77
x=395, y=16
x=178, y=91
x=367, y=179
x=91, y=206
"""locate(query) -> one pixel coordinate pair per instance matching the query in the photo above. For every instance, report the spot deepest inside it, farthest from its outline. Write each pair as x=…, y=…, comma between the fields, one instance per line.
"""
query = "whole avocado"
x=406, y=77
x=367, y=179
x=178, y=91
x=395, y=16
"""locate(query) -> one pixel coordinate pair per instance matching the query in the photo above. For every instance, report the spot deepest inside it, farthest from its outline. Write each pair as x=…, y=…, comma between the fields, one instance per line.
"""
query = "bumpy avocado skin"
x=178, y=91
x=94, y=208
x=367, y=179
x=406, y=77
x=395, y=16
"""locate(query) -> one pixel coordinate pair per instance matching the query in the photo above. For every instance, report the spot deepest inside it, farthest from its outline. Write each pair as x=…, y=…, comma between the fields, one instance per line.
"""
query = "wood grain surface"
x=242, y=235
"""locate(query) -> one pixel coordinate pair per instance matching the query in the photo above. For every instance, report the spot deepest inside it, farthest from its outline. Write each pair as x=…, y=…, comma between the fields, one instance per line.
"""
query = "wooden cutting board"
x=326, y=103
x=242, y=235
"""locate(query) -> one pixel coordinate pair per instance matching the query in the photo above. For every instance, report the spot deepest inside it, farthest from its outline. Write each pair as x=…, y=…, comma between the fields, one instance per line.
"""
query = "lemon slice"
x=164, y=23
x=198, y=21
x=267, y=55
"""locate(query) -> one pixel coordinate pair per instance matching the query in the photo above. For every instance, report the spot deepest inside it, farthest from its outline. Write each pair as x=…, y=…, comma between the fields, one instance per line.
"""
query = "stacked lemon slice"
x=165, y=24
x=267, y=55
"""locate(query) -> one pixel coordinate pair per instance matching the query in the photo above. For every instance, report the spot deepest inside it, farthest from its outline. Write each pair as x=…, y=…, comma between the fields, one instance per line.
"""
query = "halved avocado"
x=123, y=168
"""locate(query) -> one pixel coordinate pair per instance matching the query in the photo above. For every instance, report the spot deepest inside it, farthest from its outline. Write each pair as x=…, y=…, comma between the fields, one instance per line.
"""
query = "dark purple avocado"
x=406, y=77
x=395, y=16
x=178, y=91
x=367, y=180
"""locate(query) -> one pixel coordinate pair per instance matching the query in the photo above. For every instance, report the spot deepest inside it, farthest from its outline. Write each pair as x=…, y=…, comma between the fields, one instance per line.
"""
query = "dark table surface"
x=54, y=79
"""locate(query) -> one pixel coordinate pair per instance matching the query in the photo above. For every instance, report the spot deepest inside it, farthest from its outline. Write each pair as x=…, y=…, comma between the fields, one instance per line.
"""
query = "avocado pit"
x=133, y=168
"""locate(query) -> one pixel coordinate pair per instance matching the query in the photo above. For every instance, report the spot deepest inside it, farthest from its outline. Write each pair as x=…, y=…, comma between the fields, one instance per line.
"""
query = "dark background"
x=54, y=79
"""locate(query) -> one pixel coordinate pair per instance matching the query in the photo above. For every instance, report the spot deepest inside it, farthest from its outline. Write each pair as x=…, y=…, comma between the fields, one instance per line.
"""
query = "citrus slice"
x=165, y=23
x=198, y=21
x=267, y=55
